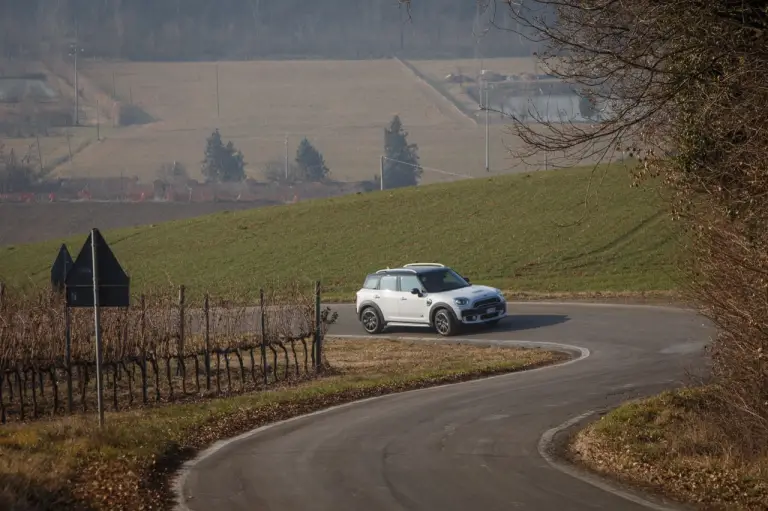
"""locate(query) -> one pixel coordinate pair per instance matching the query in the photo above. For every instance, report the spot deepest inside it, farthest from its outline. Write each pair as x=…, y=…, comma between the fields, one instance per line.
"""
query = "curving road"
x=471, y=446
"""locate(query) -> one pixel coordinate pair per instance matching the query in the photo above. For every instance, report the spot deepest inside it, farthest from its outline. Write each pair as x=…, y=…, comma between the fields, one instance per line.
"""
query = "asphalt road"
x=471, y=446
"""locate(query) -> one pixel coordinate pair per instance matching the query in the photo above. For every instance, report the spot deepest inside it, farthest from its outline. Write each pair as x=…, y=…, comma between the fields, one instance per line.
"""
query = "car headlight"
x=461, y=301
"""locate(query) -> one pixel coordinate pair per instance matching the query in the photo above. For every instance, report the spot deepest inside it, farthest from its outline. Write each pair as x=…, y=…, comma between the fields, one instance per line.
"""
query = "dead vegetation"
x=682, y=86
x=163, y=349
x=678, y=443
x=68, y=463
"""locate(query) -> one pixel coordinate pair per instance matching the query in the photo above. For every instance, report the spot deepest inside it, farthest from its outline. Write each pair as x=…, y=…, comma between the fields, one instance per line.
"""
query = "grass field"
x=342, y=106
x=505, y=231
x=71, y=464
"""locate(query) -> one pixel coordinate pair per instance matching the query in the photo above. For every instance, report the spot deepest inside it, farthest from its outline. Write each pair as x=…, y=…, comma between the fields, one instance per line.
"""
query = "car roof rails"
x=410, y=265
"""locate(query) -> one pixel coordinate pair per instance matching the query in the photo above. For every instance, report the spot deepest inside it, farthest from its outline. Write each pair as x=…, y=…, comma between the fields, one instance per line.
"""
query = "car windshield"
x=439, y=281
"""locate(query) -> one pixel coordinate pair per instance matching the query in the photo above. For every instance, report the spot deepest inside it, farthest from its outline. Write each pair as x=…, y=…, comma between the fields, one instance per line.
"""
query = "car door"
x=387, y=297
x=412, y=308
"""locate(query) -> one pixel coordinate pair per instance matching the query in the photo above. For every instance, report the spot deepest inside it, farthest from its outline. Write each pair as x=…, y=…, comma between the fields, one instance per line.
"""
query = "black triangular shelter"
x=113, y=281
x=60, y=268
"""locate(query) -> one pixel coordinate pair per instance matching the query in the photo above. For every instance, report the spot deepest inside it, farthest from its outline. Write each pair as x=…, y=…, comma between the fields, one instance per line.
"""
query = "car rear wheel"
x=371, y=320
x=445, y=323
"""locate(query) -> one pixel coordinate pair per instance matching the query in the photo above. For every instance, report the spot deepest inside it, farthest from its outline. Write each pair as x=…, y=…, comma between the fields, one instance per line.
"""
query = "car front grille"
x=486, y=302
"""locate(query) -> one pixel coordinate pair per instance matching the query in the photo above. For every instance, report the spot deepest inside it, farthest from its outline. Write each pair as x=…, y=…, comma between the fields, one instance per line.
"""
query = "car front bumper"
x=484, y=314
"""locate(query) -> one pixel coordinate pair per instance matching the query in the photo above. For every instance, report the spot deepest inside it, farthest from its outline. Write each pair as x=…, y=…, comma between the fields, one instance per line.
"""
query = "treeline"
x=243, y=29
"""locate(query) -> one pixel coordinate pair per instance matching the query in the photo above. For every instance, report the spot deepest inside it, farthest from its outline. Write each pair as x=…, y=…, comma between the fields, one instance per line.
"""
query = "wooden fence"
x=164, y=348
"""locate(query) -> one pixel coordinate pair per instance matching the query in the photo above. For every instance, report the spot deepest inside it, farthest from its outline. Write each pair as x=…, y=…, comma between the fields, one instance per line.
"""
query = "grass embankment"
x=71, y=463
x=501, y=231
x=672, y=443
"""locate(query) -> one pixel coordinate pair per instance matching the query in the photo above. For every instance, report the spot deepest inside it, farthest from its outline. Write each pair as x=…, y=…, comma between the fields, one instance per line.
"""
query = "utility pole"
x=487, y=146
x=217, y=90
x=381, y=172
x=75, y=52
x=286, y=157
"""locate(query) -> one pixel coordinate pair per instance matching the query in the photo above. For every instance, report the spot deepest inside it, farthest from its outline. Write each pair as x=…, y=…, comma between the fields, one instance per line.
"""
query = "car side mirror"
x=465, y=278
x=416, y=291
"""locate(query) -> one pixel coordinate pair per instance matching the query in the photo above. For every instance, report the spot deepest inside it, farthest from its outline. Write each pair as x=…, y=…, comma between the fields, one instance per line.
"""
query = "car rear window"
x=372, y=282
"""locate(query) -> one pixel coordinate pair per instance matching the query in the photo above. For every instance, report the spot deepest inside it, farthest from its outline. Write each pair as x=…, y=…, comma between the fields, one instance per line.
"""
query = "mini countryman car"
x=427, y=295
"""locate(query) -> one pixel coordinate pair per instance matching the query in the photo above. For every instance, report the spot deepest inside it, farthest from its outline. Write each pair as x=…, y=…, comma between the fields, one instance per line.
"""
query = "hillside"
x=505, y=231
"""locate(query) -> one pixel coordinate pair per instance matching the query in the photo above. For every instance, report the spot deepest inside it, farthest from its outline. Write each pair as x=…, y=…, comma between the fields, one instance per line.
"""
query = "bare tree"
x=682, y=85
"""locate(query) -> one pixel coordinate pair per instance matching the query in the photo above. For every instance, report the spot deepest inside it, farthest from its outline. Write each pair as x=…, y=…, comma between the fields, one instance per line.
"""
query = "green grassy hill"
x=504, y=231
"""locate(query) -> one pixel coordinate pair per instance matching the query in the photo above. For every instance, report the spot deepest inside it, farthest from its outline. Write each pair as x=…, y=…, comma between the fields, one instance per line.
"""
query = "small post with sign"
x=97, y=280
x=59, y=271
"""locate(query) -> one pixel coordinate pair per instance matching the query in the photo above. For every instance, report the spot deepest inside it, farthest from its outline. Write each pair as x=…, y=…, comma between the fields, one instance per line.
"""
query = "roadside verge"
x=70, y=463
x=665, y=452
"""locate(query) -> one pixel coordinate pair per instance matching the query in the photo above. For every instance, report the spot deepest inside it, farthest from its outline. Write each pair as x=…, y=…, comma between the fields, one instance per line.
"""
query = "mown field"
x=527, y=232
x=341, y=106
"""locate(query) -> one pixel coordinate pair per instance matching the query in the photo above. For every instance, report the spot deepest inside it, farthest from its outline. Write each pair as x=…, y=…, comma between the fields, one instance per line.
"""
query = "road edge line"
x=546, y=448
x=177, y=484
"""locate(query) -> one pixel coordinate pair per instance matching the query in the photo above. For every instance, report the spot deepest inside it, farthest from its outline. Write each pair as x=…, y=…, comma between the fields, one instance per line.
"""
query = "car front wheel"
x=371, y=320
x=444, y=322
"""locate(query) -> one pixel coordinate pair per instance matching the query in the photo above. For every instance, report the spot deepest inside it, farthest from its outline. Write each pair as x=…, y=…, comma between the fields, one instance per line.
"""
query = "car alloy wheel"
x=370, y=320
x=442, y=322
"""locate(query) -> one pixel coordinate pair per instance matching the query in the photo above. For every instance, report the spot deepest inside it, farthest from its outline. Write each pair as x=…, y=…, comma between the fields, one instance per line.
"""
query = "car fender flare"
x=440, y=305
x=369, y=303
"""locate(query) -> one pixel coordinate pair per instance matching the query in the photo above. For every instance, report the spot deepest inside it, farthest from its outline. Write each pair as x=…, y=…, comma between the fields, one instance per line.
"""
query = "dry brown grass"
x=69, y=462
x=675, y=443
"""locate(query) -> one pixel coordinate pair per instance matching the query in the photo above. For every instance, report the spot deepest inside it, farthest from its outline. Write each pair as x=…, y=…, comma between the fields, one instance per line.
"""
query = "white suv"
x=428, y=295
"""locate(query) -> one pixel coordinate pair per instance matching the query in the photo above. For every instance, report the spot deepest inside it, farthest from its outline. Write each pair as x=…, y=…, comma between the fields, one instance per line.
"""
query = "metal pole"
x=487, y=108
x=77, y=87
x=97, y=326
x=263, y=337
x=217, y=89
x=98, y=126
x=286, y=157
x=381, y=172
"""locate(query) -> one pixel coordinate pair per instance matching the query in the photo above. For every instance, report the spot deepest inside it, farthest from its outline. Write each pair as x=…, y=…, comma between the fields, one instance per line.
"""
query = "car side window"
x=408, y=282
x=388, y=283
x=372, y=282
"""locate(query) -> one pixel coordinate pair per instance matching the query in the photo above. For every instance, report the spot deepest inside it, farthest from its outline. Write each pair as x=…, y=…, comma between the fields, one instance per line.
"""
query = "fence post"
x=180, y=348
x=318, y=337
x=207, y=343
x=2, y=294
x=68, y=356
x=143, y=333
x=263, y=336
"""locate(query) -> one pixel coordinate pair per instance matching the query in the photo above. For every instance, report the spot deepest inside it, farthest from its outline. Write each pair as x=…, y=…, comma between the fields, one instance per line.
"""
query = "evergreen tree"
x=310, y=162
x=222, y=162
x=401, y=165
